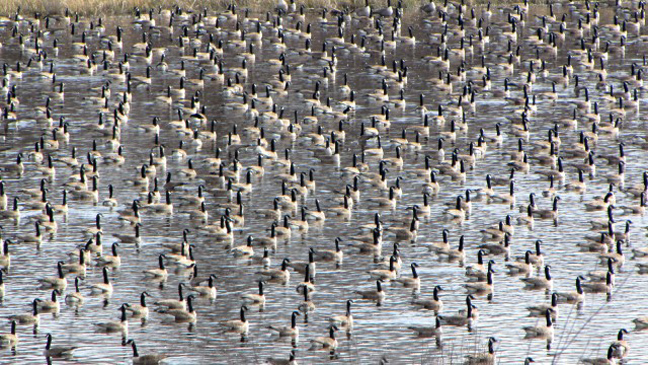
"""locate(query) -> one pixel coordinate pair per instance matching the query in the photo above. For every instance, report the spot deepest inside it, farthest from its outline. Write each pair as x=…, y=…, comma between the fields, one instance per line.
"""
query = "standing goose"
x=115, y=326
x=288, y=331
x=148, y=359
x=240, y=326
x=58, y=351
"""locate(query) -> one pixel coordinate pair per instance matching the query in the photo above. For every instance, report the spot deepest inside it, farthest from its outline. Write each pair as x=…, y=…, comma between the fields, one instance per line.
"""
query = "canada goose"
x=240, y=326
x=435, y=303
x=461, y=319
x=148, y=359
x=602, y=360
x=126, y=237
x=5, y=256
x=179, y=303
x=32, y=318
x=106, y=287
x=621, y=345
x=600, y=287
x=76, y=298
x=158, y=274
x=58, y=351
x=255, y=299
x=414, y=281
x=139, y=310
x=281, y=276
x=573, y=297
x=300, y=267
x=481, y=288
x=541, y=309
x=50, y=306
x=58, y=282
x=541, y=332
x=115, y=326
x=545, y=282
x=521, y=267
x=208, y=291
x=12, y=214
x=288, y=331
x=384, y=275
x=181, y=315
x=9, y=339
x=618, y=256
x=325, y=343
x=598, y=276
x=244, y=250
x=113, y=260
x=484, y=358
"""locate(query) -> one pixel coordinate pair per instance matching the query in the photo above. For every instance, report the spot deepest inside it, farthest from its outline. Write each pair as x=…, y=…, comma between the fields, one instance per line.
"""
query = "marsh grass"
x=117, y=7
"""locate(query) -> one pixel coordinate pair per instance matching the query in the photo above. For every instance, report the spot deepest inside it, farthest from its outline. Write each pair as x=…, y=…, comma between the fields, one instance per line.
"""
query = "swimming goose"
x=75, y=298
x=377, y=295
x=288, y=331
x=541, y=332
x=103, y=288
x=336, y=255
x=113, y=260
x=50, y=306
x=9, y=339
x=573, y=297
x=126, y=237
x=58, y=282
x=423, y=331
x=180, y=303
x=545, y=282
x=208, y=291
x=484, y=358
x=5, y=256
x=414, y=281
x=621, y=345
x=58, y=351
x=240, y=326
x=541, y=309
x=435, y=304
x=32, y=318
x=602, y=360
x=160, y=273
x=148, y=359
x=481, y=288
x=290, y=361
x=115, y=326
x=384, y=275
x=244, y=250
x=255, y=299
x=618, y=256
x=181, y=315
x=281, y=276
x=521, y=267
x=325, y=343
x=139, y=310
x=461, y=319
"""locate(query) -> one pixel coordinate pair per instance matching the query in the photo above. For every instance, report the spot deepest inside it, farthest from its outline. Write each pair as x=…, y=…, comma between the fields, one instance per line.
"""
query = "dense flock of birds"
x=480, y=54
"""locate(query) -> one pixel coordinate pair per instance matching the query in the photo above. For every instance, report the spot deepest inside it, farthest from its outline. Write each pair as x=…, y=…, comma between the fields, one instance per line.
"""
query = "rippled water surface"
x=380, y=331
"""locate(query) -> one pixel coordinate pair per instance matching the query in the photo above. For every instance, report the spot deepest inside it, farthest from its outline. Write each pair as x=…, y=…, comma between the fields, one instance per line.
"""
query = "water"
x=379, y=331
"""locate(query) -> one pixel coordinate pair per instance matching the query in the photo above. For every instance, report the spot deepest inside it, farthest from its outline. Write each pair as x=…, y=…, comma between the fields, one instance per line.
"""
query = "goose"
x=5, y=256
x=103, y=288
x=478, y=270
x=75, y=298
x=618, y=256
x=115, y=326
x=426, y=331
x=545, y=282
x=541, y=332
x=240, y=326
x=519, y=268
x=36, y=238
x=277, y=275
x=160, y=273
x=377, y=295
x=484, y=358
x=181, y=315
x=301, y=267
x=9, y=339
x=208, y=291
x=621, y=345
x=435, y=303
x=541, y=309
x=602, y=275
x=255, y=299
x=179, y=303
x=128, y=238
x=548, y=213
x=12, y=214
x=57, y=282
x=481, y=288
x=414, y=281
x=307, y=284
x=244, y=250
x=148, y=359
x=573, y=297
x=602, y=360
x=32, y=318
x=461, y=319
x=58, y=351
x=325, y=343
x=113, y=260
x=139, y=310
x=50, y=306
x=382, y=274
x=288, y=331
x=292, y=360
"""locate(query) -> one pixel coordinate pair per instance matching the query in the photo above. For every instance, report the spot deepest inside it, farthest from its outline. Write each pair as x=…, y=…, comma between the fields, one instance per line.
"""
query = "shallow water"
x=379, y=330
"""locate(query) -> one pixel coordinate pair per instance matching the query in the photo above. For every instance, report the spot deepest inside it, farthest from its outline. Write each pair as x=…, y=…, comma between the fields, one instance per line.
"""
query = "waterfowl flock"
x=372, y=183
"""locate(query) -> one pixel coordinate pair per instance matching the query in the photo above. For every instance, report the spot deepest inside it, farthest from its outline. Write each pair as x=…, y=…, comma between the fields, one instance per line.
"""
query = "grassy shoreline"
x=120, y=7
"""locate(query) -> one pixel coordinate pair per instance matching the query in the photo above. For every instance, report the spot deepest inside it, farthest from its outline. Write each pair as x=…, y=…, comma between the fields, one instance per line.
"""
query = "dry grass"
x=115, y=7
